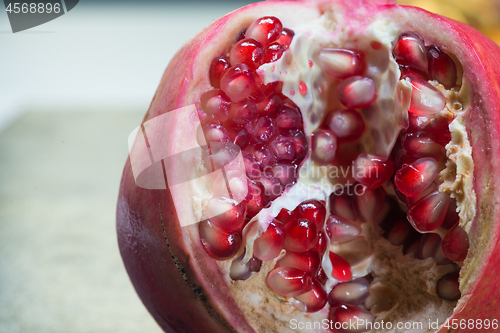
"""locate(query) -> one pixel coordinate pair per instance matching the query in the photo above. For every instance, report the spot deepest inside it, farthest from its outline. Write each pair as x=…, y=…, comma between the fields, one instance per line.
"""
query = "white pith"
x=313, y=181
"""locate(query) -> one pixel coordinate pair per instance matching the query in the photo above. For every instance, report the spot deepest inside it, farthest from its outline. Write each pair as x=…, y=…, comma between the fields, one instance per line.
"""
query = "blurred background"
x=71, y=91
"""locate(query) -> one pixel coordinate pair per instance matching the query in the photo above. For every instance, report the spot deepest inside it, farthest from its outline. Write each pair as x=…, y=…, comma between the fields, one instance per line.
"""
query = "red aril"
x=301, y=235
x=413, y=178
x=313, y=210
x=286, y=37
x=323, y=146
x=247, y=51
x=273, y=52
x=315, y=299
x=342, y=230
x=347, y=125
x=425, y=99
x=268, y=246
x=237, y=82
x=217, y=69
x=357, y=92
x=410, y=50
x=372, y=170
x=350, y=318
x=456, y=244
x=265, y=29
x=428, y=214
x=353, y=292
x=219, y=244
x=289, y=281
x=341, y=64
x=441, y=67
x=341, y=268
x=306, y=261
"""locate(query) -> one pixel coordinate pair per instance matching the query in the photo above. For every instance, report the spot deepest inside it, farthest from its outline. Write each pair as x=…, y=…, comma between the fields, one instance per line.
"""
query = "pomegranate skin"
x=185, y=289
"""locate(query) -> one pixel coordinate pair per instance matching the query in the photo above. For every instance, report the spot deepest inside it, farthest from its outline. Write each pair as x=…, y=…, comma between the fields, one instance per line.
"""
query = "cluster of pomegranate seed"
x=268, y=127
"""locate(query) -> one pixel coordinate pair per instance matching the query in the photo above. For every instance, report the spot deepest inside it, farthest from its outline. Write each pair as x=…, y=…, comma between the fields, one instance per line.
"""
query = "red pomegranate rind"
x=165, y=265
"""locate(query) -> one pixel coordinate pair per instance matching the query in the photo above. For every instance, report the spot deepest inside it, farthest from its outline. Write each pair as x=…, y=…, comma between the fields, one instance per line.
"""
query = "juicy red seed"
x=285, y=215
x=372, y=170
x=413, y=200
x=456, y=244
x=448, y=287
x=348, y=125
x=242, y=139
x=439, y=131
x=268, y=246
x=286, y=173
x=265, y=29
x=255, y=264
x=289, y=281
x=216, y=105
x=357, y=92
x=323, y=146
x=263, y=156
x=240, y=270
x=313, y=210
x=341, y=205
x=315, y=299
x=417, y=123
x=428, y=214
x=226, y=214
x=321, y=276
x=272, y=185
x=451, y=217
x=369, y=203
x=218, y=244
x=441, y=67
x=412, y=179
x=217, y=69
x=257, y=198
x=286, y=37
x=247, y=51
x=406, y=70
x=341, y=230
x=238, y=82
x=417, y=145
x=271, y=106
x=341, y=268
x=300, y=144
x=341, y=63
x=273, y=52
x=410, y=50
x=215, y=133
x=252, y=168
x=348, y=316
x=438, y=254
x=283, y=148
x=263, y=130
x=306, y=261
x=353, y=292
x=426, y=100
x=427, y=245
x=321, y=244
x=243, y=112
x=262, y=91
x=289, y=117
x=399, y=233
x=301, y=235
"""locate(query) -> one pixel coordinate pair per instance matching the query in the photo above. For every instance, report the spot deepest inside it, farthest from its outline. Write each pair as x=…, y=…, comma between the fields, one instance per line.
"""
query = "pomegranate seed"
x=372, y=170
x=313, y=210
x=243, y=113
x=324, y=146
x=341, y=268
x=306, y=261
x=425, y=99
x=265, y=29
x=240, y=270
x=456, y=244
x=451, y=217
x=448, y=287
x=226, y=214
x=348, y=125
x=417, y=123
x=427, y=245
x=301, y=235
x=439, y=131
x=341, y=230
x=273, y=52
x=217, y=69
x=413, y=200
x=272, y=185
x=289, y=117
x=216, y=105
x=263, y=130
x=242, y=139
x=441, y=67
x=285, y=215
x=300, y=144
x=405, y=70
x=322, y=244
x=215, y=133
x=223, y=153
x=285, y=173
x=369, y=203
x=315, y=299
x=270, y=107
x=410, y=50
x=357, y=92
x=412, y=248
x=218, y=244
x=238, y=82
x=283, y=148
x=351, y=318
x=268, y=246
x=247, y=51
x=352, y=292
x=399, y=233
x=263, y=156
x=417, y=145
x=252, y=169
x=340, y=205
x=412, y=179
x=438, y=254
x=321, y=276
x=340, y=63
x=257, y=198
x=262, y=91
x=255, y=264
x=289, y=281
x=428, y=214
x=286, y=37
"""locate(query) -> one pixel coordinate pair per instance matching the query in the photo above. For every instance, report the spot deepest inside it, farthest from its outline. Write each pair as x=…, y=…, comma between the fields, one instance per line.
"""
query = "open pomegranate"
x=369, y=138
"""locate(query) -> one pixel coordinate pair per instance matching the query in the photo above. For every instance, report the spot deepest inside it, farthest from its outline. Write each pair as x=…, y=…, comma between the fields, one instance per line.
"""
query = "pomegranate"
x=308, y=164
